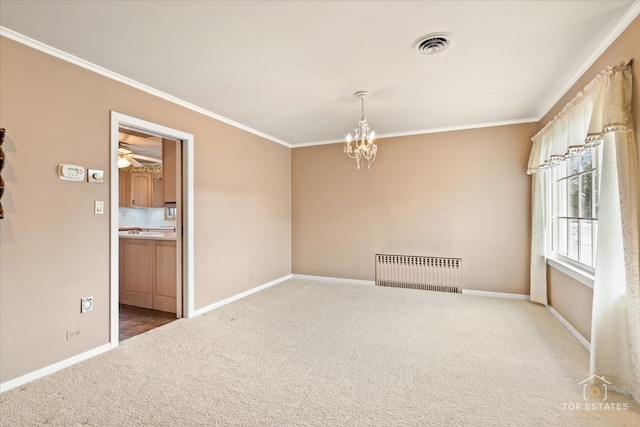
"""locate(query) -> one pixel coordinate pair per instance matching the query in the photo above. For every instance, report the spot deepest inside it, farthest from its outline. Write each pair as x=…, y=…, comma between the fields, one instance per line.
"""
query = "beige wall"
x=54, y=250
x=455, y=194
x=569, y=298
x=572, y=299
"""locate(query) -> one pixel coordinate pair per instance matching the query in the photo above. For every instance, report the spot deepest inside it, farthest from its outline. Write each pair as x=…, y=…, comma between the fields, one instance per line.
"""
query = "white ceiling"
x=288, y=69
x=142, y=144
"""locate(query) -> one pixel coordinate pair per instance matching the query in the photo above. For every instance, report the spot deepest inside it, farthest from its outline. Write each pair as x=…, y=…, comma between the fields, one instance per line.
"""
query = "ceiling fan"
x=126, y=157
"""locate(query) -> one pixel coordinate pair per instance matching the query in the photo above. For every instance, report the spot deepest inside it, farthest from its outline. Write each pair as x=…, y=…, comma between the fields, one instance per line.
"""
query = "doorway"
x=151, y=265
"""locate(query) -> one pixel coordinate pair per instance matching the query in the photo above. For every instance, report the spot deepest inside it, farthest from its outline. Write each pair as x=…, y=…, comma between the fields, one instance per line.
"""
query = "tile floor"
x=136, y=320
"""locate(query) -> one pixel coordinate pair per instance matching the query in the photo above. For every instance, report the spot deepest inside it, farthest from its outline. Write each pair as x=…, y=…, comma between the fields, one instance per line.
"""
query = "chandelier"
x=361, y=146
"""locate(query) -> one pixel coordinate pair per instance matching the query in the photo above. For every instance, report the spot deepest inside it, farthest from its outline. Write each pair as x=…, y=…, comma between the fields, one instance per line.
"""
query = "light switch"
x=99, y=207
x=95, y=176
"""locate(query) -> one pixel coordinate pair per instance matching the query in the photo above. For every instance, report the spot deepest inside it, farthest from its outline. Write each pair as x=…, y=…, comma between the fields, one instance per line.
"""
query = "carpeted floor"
x=306, y=353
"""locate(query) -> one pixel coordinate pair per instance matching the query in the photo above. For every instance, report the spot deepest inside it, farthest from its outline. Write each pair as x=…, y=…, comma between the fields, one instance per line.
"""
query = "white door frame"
x=117, y=120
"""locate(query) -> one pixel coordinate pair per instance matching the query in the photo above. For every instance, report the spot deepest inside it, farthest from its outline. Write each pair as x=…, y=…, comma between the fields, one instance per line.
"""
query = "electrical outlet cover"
x=73, y=334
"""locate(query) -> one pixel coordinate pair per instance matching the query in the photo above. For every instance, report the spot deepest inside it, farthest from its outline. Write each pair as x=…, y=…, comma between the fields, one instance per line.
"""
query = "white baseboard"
x=236, y=297
x=334, y=280
x=582, y=340
x=372, y=283
x=495, y=294
x=16, y=382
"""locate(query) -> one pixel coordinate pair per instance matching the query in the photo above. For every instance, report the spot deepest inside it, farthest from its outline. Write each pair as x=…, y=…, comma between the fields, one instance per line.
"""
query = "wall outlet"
x=74, y=334
x=86, y=304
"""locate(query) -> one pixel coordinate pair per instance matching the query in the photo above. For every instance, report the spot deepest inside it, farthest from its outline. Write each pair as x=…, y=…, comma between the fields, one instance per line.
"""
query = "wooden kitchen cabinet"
x=164, y=291
x=125, y=189
x=141, y=190
x=136, y=272
x=157, y=189
x=169, y=162
x=148, y=273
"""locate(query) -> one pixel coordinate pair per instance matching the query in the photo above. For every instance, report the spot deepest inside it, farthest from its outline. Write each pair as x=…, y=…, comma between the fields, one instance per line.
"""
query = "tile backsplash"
x=139, y=217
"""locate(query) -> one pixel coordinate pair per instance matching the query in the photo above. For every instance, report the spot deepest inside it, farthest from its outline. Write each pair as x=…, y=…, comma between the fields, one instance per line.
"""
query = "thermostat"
x=71, y=172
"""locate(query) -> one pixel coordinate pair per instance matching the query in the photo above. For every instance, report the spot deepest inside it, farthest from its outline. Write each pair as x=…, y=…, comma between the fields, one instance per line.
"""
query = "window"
x=573, y=208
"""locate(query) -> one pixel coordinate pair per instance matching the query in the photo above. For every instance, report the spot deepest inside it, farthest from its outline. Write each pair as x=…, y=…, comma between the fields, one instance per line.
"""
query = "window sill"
x=575, y=273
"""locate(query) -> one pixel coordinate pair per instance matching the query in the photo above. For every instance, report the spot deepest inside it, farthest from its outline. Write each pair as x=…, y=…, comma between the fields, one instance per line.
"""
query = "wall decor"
x=2, y=132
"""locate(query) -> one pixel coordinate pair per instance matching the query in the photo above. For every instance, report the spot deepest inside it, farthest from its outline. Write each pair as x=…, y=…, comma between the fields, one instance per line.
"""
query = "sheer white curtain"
x=538, y=269
x=567, y=133
x=601, y=114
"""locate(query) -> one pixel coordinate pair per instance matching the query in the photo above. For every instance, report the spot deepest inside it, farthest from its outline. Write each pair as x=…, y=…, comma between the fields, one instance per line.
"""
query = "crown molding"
x=426, y=131
x=622, y=25
x=67, y=57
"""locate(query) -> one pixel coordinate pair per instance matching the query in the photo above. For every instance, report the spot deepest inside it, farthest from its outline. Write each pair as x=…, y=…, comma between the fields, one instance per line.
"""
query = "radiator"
x=419, y=272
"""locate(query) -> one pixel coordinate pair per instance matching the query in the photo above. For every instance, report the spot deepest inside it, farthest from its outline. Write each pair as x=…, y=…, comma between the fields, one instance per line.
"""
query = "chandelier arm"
x=369, y=155
x=351, y=155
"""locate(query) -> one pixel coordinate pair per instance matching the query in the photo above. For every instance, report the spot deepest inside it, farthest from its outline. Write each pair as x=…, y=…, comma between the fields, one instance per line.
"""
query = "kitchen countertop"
x=148, y=227
x=149, y=235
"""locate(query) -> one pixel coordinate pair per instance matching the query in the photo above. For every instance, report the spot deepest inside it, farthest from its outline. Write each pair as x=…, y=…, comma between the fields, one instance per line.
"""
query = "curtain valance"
x=604, y=105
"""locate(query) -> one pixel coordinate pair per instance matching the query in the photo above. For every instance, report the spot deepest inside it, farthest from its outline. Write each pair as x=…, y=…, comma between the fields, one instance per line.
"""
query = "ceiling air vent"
x=432, y=43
